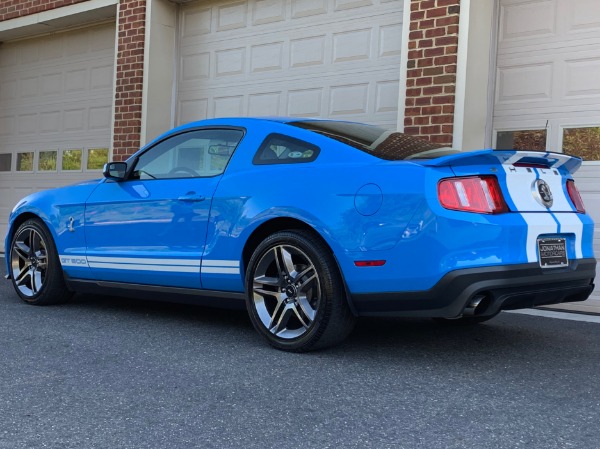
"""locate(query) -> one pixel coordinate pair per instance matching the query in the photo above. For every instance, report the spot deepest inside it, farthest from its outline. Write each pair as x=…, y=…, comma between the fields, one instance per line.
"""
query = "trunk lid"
x=530, y=181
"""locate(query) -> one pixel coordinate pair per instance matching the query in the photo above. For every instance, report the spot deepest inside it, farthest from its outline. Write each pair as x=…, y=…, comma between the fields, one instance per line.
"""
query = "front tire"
x=36, y=273
x=295, y=293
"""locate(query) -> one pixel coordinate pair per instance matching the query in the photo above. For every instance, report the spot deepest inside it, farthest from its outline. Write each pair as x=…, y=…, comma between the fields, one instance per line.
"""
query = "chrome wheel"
x=286, y=291
x=29, y=261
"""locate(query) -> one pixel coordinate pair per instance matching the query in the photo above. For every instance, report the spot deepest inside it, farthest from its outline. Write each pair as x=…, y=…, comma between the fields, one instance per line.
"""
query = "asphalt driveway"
x=103, y=372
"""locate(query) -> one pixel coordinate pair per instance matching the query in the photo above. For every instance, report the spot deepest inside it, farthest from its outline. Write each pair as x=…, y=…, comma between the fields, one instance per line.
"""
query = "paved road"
x=115, y=373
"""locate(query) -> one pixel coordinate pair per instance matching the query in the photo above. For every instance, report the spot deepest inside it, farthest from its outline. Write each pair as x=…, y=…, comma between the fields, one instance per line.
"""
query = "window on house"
x=583, y=142
x=5, y=161
x=71, y=160
x=528, y=139
x=97, y=157
x=47, y=160
x=25, y=161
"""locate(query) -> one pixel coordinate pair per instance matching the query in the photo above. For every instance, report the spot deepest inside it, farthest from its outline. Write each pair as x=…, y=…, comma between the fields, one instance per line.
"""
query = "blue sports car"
x=312, y=223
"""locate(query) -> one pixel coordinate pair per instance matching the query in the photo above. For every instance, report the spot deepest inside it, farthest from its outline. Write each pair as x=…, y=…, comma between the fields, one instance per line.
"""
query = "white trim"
x=113, y=115
x=221, y=263
x=217, y=270
x=403, y=66
x=163, y=268
x=491, y=98
x=144, y=261
x=146, y=74
x=57, y=18
x=461, y=74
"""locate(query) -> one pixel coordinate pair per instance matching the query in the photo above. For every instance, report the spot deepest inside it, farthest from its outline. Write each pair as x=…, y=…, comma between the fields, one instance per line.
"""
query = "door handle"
x=191, y=198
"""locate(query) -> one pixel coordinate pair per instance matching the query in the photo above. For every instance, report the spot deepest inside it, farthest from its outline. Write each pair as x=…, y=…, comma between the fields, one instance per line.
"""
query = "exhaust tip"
x=477, y=305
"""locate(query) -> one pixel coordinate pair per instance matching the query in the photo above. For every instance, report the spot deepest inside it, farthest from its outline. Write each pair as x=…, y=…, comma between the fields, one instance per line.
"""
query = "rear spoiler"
x=507, y=157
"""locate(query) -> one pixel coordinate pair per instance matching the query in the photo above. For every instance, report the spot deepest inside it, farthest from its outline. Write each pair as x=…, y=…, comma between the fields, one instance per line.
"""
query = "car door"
x=151, y=227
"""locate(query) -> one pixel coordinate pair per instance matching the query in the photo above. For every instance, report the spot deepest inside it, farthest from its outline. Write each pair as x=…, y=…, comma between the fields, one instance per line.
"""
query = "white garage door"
x=548, y=89
x=307, y=58
x=56, y=96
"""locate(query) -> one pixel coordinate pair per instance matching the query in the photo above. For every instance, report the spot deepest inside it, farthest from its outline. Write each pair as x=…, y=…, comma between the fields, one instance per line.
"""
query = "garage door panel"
x=547, y=24
x=373, y=99
x=302, y=58
x=56, y=94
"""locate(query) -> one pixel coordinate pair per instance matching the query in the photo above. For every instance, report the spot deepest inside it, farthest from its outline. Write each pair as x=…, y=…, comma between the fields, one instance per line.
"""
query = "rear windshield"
x=381, y=143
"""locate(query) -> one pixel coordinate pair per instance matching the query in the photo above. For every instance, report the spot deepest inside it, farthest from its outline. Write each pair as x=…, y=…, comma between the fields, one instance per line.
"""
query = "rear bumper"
x=505, y=287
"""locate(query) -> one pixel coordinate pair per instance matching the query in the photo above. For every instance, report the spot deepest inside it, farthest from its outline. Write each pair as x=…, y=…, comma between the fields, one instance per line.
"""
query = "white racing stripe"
x=519, y=181
x=537, y=224
x=221, y=266
x=144, y=261
x=141, y=267
x=571, y=223
x=156, y=265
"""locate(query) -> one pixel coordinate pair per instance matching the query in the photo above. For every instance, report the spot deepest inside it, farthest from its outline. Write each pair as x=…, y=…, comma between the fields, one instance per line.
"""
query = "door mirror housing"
x=115, y=171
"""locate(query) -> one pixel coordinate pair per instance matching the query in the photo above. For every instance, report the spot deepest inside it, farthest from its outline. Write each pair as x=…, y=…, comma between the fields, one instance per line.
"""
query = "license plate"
x=553, y=253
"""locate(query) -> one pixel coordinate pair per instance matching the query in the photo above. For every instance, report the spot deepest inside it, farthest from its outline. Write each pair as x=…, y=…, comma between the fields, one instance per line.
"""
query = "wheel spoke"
x=284, y=319
x=36, y=281
x=285, y=266
x=304, y=323
x=20, y=278
x=22, y=250
x=306, y=308
x=306, y=284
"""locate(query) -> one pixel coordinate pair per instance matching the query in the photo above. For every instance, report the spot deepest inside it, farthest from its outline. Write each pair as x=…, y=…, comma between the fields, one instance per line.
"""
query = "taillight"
x=480, y=194
x=575, y=196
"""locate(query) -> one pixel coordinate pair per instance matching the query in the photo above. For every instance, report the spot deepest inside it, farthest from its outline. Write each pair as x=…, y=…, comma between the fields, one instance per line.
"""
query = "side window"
x=280, y=149
x=194, y=154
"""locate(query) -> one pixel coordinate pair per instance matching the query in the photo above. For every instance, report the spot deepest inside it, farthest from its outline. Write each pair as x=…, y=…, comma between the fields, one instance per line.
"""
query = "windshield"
x=381, y=143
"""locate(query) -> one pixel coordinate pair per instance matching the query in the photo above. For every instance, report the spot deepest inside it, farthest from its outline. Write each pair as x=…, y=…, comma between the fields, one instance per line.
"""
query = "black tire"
x=36, y=273
x=300, y=305
x=464, y=320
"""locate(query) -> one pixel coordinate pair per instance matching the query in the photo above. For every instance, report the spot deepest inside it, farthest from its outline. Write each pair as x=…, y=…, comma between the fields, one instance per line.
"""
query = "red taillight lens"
x=473, y=194
x=575, y=196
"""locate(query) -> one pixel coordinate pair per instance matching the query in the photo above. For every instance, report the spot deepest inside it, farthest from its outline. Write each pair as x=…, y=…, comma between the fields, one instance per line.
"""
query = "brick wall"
x=431, y=74
x=129, y=80
x=11, y=9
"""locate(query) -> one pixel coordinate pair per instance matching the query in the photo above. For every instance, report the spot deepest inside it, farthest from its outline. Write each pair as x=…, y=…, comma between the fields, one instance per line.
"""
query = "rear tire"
x=36, y=273
x=295, y=293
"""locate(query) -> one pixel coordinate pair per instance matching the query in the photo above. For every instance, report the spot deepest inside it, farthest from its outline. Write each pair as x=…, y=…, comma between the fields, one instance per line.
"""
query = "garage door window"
x=71, y=160
x=97, y=157
x=47, y=160
x=582, y=142
x=529, y=139
x=25, y=161
x=5, y=161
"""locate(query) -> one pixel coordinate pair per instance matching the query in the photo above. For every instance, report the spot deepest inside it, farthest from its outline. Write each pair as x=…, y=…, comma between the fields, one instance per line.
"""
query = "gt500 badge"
x=68, y=261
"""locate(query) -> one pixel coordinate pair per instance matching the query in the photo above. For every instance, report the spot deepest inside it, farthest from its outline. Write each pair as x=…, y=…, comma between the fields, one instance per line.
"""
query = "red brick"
x=445, y=21
x=423, y=101
x=433, y=90
x=442, y=119
x=424, y=81
x=435, y=51
x=447, y=40
x=435, y=32
x=448, y=2
x=444, y=79
x=425, y=24
x=437, y=12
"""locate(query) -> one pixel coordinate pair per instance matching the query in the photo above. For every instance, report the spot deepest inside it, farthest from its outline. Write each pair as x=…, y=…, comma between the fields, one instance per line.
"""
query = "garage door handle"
x=191, y=198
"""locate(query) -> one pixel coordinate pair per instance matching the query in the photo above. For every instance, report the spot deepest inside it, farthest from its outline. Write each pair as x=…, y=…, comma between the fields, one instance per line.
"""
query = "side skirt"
x=212, y=298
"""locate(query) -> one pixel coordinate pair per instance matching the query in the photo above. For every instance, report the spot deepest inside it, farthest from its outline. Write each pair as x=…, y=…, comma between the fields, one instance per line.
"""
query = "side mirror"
x=115, y=171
